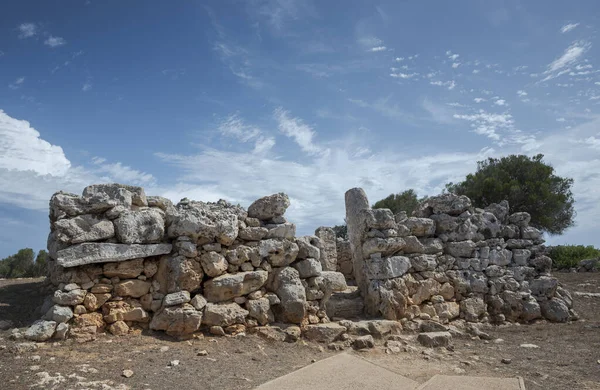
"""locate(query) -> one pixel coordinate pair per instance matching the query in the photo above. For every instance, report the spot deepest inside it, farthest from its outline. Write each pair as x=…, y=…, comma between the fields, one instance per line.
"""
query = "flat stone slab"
x=448, y=382
x=90, y=253
x=341, y=372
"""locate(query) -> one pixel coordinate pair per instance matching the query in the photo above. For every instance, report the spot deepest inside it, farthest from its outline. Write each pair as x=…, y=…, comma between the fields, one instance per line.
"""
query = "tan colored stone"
x=118, y=328
x=125, y=270
x=132, y=288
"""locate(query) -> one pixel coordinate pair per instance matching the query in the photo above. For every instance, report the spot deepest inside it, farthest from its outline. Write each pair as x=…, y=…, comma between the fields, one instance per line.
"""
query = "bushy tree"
x=341, y=231
x=403, y=201
x=17, y=265
x=528, y=183
x=40, y=267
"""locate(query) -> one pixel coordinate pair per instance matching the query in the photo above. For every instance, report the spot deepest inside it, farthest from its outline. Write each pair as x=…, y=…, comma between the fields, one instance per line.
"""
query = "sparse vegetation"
x=24, y=264
x=568, y=256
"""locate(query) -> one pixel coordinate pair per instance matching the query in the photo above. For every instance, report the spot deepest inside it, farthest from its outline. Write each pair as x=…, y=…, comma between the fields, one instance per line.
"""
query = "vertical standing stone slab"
x=328, y=248
x=356, y=200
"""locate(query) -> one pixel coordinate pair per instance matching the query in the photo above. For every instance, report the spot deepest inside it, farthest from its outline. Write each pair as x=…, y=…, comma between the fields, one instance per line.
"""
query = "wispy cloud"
x=27, y=30
x=16, y=84
x=53, y=41
x=86, y=86
x=378, y=48
x=404, y=75
x=234, y=126
x=570, y=57
x=296, y=129
x=568, y=27
x=488, y=124
x=448, y=84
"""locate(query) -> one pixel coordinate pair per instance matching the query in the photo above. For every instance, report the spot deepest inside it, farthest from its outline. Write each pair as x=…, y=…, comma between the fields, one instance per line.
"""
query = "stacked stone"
x=122, y=261
x=452, y=260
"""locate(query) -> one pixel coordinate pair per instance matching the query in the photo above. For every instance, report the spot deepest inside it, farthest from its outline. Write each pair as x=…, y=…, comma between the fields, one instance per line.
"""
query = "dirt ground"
x=567, y=357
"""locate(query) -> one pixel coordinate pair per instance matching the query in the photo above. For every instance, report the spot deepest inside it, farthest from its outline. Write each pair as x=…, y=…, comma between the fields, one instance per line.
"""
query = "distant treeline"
x=24, y=264
x=569, y=256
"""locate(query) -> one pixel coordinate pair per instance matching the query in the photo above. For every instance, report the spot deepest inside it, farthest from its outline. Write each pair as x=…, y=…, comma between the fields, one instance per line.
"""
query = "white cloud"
x=378, y=48
x=479, y=100
x=53, y=41
x=488, y=124
x=500, y=102
x=17, y=83
x=475, y=71
x=234, y=126
x=455, y=65
x=521, y=93
x=449, y=84
x=568, y=27
x=399, y=59
x=124, y=173
x=569, y=58
x=404, y=75
x=86, y=86
x=560, y=119
x=27, y=30
x=296, y=129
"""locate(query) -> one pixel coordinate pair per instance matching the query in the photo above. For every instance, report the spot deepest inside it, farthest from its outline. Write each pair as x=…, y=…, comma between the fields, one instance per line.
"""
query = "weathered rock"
x=83, y=228
x=385, y=246
x=420, y=227
x=199, y=302
x=279, y=253
x=323, y=333
x=40, y=331
x=177, y=320
x=71, y=298
x=186, y=248
x=308, y=247
x=229, y=286
x=179, y=273
x=61, y=331
x=253, y=233
x=327, y=247
x=431, y=326
x=387, y=268
x=434, y=339
x=140, y=227
x=218, y=221
x=500, y=210
x=521, y=256
x=285, y=230
x=132, y=288
x=120, y=194
x=344, y=258
x=543, y=286
x=472, y=308
x=555, y=310
x=288, y=287
x=520, y=219
x=364, y=342
x=213, y=264
x=308, y=268
x=260, y=309
x=176, y=298
x=461, y=249
x=59, y=314
x=118, y=328
x=224, y=314
x=450, y=204
x=160, y=202
x=89, y=253
x=269, y=206
x=541, y=264
x=422, y=263
x=128, y=269
x=345, y=304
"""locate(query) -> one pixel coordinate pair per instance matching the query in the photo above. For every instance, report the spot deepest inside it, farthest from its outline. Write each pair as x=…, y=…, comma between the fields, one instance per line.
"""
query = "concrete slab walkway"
x=348, y=372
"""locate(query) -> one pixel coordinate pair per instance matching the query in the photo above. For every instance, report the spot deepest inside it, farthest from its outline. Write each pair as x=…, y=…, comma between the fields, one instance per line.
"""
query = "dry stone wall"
x=451, y=260
x=123, y=261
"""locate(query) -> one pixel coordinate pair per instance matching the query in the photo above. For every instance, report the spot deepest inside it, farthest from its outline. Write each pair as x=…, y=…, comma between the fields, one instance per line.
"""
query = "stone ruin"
x=123, y=262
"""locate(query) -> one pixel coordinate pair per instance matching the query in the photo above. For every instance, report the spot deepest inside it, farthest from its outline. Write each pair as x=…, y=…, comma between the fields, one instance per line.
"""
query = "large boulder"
x=207, y=221
x=179, y=273
x=269, y=207
x=520, y=219
x=282, y=230
x=461, y=248
x=308, y=268
x=140, y=227
x=287, y=285
x=59, y=314
x=89, y=253
x=213, y=263
x=132, y=288
x=260, y=310
x=229, y=286
x=69, y=298
x=83, y=228
x=385, y=246
x=120, y=194
x=434, y=339
x=450, y=204
x=308, y=247
x=420, y=227
x=324, y=333
x=555, y=310
x=224, y=314
x=177, y=320
x=500, y=210
x=279, y=253
x=40, y=330
x=327, y=248
x=472, y=308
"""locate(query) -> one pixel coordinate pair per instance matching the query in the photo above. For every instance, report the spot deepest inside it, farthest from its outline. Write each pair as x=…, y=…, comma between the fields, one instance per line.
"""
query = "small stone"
x=435, y=339
x=202, y=353
x=506, y=361
x=217, y=330
x=164, y=349
x=127, y=373
x=528, y=346
x=174, y=363
x=364, y=342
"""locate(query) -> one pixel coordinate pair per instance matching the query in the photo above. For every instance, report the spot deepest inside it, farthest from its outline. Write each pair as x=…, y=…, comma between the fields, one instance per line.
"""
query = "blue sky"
x=241, y=99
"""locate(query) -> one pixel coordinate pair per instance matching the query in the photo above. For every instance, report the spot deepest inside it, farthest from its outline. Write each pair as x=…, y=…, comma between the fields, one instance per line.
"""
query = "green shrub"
x=569, y=256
